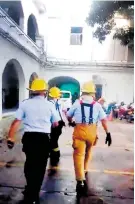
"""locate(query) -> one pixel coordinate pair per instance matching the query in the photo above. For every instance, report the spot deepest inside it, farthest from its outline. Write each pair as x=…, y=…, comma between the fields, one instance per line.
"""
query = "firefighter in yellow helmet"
x=38, y=115
x=86, y=114
x=55, y=94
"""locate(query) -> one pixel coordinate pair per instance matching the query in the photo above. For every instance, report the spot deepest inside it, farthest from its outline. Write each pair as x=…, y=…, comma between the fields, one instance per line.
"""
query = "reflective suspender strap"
x=83, y=114
x=90, y=113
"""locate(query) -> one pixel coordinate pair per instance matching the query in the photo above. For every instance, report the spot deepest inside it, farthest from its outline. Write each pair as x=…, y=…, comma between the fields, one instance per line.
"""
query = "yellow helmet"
x=88, y=87
x=55, y=92
x=38, y=85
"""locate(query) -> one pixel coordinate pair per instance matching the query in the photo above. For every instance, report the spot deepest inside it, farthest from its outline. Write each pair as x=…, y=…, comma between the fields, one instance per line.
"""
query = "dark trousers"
x=36, y=147
x=55, y=152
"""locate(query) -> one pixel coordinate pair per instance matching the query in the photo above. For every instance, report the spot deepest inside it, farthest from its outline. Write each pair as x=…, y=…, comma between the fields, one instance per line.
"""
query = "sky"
x=65, y=8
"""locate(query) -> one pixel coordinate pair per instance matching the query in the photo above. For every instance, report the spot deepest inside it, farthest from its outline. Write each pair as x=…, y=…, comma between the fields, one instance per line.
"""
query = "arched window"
x=32, y=27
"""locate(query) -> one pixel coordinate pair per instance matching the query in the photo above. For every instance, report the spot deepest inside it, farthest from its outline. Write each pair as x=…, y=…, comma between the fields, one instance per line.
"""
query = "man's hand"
x=10, y=144
x=108, y=139
x=13, y=129
x=72, y=124
x=62, y=123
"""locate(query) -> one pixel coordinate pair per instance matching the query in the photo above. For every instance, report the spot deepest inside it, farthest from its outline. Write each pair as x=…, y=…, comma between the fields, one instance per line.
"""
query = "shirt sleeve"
x=102, y=114
x=71, y=111
x=54, y=117
x=20, y=114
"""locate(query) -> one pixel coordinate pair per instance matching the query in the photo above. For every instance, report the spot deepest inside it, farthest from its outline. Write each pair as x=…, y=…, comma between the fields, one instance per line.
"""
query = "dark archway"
x=67, y=84
x=32, y=30
x=12, y=85
x=14, y=14
x=32, y=77
x=13, y=9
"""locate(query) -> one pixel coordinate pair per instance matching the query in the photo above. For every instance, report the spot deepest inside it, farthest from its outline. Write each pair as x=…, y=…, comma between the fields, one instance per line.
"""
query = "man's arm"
x=13, y=129
x=19, y=115
x=103, y=119
x=54, y=117
x=70, y=115
x=104, y=124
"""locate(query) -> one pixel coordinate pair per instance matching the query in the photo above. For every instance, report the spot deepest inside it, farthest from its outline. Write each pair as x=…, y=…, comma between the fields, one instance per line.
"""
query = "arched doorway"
x=32, y=30
x=32, y=77
x=12, y=85
x=66, y=83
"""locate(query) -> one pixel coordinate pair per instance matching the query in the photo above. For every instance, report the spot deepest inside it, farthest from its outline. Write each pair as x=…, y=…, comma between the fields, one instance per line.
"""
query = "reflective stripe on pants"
x=55, y=152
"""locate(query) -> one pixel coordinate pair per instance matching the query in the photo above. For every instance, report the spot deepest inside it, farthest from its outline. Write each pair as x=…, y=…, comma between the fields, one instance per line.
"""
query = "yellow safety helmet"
x=88, y=87
x=55, y=92
x=38, y=85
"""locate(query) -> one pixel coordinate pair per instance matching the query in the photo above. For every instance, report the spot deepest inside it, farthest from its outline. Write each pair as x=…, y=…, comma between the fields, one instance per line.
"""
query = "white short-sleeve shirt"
x=37, y=115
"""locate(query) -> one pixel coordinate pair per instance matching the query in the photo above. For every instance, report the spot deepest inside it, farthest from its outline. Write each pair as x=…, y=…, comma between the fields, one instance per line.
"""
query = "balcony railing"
x=67, y=62
x=111, y=66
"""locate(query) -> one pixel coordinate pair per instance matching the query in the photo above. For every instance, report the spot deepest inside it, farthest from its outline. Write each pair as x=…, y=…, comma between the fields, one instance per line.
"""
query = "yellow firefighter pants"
x=84, y=137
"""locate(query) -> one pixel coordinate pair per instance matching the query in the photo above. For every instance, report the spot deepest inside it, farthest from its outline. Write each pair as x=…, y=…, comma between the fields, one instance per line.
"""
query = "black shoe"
x=81, y=188
x=54, y=162
x=37, y=202
x=26, y=201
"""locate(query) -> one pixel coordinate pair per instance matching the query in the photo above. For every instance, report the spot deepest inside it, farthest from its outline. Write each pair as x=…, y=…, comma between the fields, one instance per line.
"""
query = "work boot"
x=54, y=158
x=81, y=188
x=25, y=201
x=29, y=199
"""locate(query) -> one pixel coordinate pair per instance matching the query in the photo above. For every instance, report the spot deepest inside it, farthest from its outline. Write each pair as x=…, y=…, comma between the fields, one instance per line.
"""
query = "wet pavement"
x=110, y=177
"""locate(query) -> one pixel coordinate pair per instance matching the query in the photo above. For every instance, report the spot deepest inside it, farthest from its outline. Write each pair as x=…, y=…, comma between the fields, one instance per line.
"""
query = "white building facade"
x=22, y=50
x=45, y=39
x=74, y=53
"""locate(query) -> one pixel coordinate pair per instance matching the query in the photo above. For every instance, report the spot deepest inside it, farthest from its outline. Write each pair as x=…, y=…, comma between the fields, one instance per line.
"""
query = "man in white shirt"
x=37, y=115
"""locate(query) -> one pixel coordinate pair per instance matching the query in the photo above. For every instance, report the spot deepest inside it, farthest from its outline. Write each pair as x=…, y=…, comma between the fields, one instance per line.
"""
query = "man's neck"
x=87, y=98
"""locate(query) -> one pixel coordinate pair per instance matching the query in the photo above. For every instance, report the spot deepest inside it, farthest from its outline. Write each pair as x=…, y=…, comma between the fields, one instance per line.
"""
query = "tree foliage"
x=102, y=17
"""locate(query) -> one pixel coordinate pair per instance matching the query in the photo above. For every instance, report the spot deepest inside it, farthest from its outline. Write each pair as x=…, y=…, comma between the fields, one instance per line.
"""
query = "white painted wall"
x=30, y=8
x=29, y=65
x=116, y=85
x=58, y=44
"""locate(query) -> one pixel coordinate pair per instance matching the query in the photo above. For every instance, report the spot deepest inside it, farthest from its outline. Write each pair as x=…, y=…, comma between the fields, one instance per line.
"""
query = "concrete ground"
x=110, y=178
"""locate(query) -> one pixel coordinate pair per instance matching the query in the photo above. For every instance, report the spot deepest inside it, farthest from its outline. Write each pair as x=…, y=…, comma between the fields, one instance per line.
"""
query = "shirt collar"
x=39, y=97
x=87, y=99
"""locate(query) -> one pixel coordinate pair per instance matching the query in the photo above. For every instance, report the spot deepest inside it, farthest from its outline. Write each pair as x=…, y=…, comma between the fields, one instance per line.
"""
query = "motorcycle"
x=130, y=114
x=122, y=112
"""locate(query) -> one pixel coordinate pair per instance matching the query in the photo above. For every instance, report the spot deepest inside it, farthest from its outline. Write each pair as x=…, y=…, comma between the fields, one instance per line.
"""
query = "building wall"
x=117, y=86
x=58, y=45
x=27, y=66
x=41, y=19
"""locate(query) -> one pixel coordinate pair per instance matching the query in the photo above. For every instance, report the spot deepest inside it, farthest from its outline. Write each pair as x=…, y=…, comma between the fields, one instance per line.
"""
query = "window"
x=76, y=36
x=65, y=95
